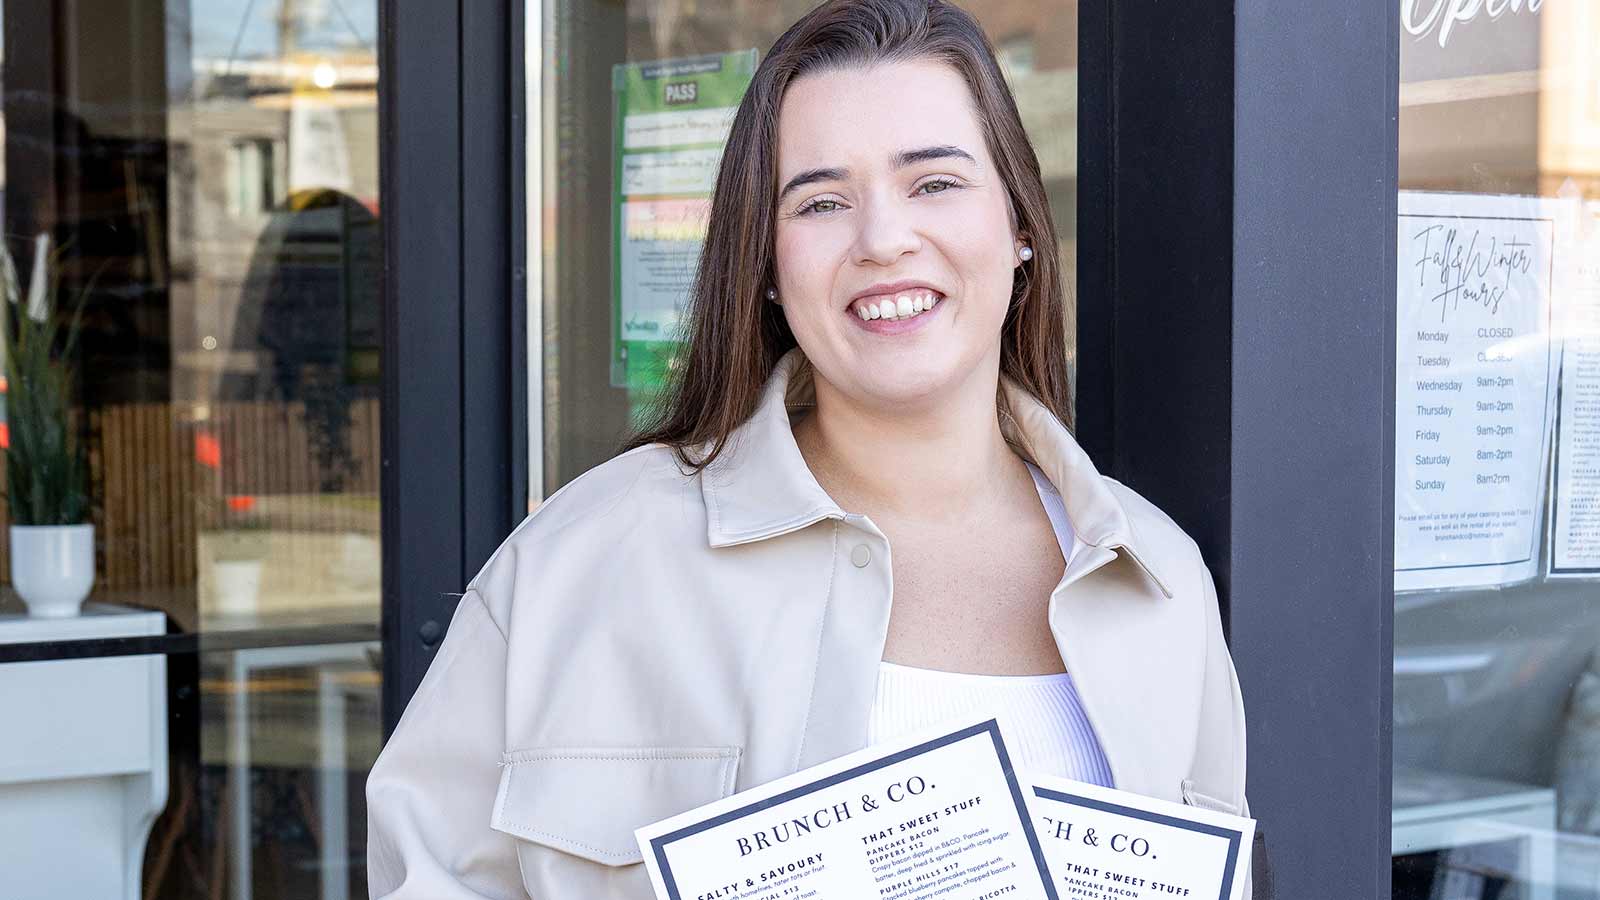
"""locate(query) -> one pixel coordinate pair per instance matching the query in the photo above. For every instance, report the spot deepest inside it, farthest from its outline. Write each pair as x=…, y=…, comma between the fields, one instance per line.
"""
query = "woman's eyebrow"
x=943, y=151
x=811, y=176
x=901, y=160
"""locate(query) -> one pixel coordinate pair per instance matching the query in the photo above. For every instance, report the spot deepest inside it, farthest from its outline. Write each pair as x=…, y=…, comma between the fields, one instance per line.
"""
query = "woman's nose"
x=885, y=233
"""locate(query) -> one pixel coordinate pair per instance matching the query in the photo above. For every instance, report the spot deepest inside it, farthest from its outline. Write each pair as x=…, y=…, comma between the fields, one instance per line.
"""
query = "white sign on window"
x=1474, y=387
x=1439, y=18
x=1575, y=500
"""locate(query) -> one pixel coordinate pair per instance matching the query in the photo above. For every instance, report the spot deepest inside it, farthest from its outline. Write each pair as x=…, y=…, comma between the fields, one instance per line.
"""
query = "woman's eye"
x=936, y=186
x=821, y=206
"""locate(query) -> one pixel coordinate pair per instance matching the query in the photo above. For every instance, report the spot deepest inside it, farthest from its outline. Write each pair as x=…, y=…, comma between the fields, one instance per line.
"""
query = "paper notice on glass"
x=672, y=119
x=1575, y=498
x=920, y=818
x=1103, y=844
x=1474, y=387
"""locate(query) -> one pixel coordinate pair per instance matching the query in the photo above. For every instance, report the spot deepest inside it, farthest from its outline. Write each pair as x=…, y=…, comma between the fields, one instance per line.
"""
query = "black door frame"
x=1237, y=207
x=454, y=404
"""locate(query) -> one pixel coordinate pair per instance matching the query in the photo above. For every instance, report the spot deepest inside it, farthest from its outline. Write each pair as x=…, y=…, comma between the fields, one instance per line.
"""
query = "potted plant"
x=238, y=550
x=52, y=540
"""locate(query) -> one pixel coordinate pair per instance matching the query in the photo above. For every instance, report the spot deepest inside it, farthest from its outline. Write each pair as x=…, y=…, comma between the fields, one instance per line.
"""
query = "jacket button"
x=430, y=633
x=861, y=555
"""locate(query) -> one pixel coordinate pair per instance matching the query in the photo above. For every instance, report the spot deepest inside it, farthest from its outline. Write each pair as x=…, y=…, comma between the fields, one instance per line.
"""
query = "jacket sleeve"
x=1218, y=769
x=431, y=793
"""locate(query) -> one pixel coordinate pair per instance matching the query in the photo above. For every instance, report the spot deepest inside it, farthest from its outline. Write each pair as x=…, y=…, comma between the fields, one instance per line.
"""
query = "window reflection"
x=210, y=171
x=1496, y=740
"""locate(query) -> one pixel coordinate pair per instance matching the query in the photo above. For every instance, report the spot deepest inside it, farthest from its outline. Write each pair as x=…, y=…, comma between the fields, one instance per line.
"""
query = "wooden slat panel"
x=171, y=501
x=151, y=490
x=143, y=471
x=118, y=508
x=188, y=470
x=160, y=542
x=112, y=485
x=301, y=469
x=148, y=523
x=5, y=516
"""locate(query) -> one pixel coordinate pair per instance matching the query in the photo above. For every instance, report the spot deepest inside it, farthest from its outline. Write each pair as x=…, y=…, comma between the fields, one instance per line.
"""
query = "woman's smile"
x=895, y=307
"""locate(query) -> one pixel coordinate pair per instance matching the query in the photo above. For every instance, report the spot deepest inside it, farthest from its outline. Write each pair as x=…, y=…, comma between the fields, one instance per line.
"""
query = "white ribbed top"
x=1042, y=716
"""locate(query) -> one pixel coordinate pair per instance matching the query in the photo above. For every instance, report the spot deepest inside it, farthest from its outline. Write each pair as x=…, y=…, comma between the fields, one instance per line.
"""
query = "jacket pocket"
x=1199, y=799
x=586, y=801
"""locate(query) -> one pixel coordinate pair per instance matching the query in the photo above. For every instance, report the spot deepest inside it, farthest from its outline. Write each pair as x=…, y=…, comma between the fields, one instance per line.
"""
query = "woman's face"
x=888, y=198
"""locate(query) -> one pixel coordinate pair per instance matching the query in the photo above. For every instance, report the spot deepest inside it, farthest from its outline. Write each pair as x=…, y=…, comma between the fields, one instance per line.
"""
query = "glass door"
x=1497, y=544
x=190, y=421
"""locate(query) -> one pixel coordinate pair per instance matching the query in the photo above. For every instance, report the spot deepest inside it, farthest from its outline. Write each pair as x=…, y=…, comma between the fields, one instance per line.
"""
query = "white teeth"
x=897, y=307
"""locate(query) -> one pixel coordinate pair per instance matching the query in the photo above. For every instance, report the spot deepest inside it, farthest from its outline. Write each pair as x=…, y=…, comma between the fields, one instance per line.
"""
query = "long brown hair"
x=735, y=336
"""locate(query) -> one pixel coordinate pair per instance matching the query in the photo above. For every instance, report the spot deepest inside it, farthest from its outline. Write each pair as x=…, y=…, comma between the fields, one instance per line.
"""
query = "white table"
x=83, y=758
x=329, y=660
x=1442, y=811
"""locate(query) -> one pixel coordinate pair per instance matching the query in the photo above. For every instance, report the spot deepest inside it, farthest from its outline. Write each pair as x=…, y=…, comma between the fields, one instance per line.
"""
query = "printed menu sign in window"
x=1575, y=501
x=672, y=120
x=1473, y=387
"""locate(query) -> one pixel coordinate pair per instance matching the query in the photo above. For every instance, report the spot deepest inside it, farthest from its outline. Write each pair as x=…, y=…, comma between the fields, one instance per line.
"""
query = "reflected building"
x=211, y=173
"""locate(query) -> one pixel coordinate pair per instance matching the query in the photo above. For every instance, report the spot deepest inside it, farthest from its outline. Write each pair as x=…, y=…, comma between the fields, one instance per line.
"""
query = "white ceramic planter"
x=52, y=568
x=237, y=583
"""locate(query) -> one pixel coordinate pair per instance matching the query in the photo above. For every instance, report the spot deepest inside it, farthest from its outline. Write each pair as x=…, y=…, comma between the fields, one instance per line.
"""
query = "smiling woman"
x=870, y=137
x=858, y=510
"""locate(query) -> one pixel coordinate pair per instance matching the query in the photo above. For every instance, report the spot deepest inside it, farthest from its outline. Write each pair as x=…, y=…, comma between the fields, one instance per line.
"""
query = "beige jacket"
x=647, y=642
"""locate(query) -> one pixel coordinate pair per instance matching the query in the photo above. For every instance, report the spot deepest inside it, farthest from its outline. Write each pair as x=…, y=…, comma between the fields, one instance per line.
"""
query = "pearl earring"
x=772, y=293
x=1026, y=253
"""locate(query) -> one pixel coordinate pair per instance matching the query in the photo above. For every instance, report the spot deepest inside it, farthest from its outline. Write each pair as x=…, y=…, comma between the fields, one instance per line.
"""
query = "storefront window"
x=191, y=211
x=1497, y=456
x=622, y=222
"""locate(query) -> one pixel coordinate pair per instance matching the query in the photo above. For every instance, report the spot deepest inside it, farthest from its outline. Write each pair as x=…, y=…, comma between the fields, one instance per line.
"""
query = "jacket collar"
x=760, y=487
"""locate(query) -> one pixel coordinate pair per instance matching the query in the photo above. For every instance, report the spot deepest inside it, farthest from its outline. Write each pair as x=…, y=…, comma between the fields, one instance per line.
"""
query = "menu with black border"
x=928, y=817
x=1104, y=844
